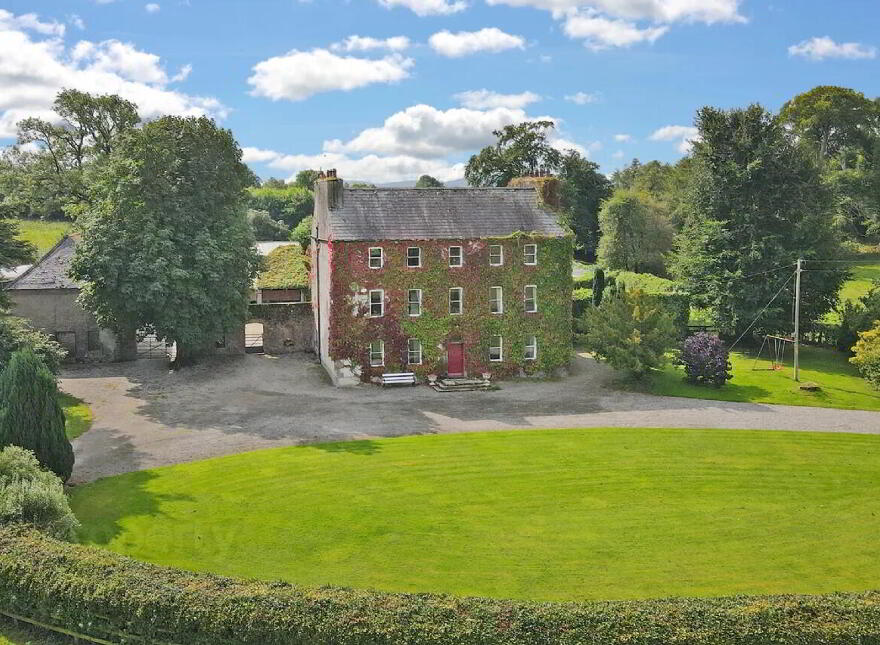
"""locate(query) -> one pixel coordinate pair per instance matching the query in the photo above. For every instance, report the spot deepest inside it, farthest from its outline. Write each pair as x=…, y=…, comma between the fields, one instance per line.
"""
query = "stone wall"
x=287, y=328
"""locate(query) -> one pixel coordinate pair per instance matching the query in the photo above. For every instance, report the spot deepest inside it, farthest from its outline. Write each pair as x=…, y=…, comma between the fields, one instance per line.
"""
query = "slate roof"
x=50, y=271
x=439, y=213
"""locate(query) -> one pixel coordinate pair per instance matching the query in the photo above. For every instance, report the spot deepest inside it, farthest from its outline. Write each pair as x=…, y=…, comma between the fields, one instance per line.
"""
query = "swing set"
x=777, y=344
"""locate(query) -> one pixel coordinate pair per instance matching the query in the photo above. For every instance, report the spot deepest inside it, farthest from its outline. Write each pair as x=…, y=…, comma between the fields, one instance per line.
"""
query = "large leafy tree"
x=287, y=203
x=667, y=184
x=521, y=149
x=168, y=247
x=582, y=191
x=30, y=415
x=758, y=202
x=829, y=119
x=427, y=181
x=636, y=235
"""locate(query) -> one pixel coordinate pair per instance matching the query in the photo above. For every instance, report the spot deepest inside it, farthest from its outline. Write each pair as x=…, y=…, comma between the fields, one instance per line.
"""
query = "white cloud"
x=486, y=99
x=623, y=138
x=152, y=7
x=366, y=43
x=463, y=43
x=684, y=135
x=183, y=74
x=707, y=11
x=821, y=48
x=76, y=21
x=582, y=98
x=599, y=32
x=427, y=7
x=34, y=68
x=298, y=75
x=258, y=155
x=29, y=22
x=425, y=132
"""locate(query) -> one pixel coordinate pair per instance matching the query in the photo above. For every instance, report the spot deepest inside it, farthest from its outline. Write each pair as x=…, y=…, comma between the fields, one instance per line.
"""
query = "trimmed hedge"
x=105, y=595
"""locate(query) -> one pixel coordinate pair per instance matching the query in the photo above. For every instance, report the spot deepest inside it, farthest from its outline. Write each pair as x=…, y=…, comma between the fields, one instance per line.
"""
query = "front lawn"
x=77, y=415
x=842, y=386
x=544, y=514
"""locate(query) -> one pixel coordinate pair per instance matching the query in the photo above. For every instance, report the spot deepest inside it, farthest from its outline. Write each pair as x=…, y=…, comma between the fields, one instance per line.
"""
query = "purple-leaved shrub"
x=705, y=360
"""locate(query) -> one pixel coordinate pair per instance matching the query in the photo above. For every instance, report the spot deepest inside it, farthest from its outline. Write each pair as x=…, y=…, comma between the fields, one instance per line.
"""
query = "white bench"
x=398, y=378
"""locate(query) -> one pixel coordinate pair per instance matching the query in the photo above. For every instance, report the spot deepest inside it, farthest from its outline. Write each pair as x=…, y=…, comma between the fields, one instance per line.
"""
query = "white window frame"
x=410, y=248
x=531, y=346
x=410, y=351
x=381, y=302
x=500, y=248
x=460, y=257
x=381, y=353
x=534, y=299
x=499, y=300
x=460, y=292
x=533, y=254
x=499, y=346
x=370, y=257
x=410, y=302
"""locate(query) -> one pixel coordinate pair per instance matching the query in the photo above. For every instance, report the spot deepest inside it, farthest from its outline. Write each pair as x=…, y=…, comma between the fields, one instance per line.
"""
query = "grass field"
x=77, y=414
x=43, y=235
x=842, y=386
x=863, y=276
x=546, y=514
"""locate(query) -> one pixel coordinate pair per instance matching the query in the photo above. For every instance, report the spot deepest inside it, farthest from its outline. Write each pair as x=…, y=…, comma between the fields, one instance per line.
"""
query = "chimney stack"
x=328, y=189
x=544, y=183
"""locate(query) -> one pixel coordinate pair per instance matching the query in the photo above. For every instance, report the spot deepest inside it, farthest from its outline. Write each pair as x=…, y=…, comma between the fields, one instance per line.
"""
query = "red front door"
x=455, y=359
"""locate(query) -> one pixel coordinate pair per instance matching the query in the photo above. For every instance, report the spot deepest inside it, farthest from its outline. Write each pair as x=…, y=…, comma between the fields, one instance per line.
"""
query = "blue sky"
x=427, y=81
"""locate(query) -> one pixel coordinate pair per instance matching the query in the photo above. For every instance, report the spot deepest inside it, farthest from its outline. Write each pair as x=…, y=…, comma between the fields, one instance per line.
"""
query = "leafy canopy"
x=582, y=191
x=635, y=233
x=521, y=149
x=427, y=181
x=168, y=247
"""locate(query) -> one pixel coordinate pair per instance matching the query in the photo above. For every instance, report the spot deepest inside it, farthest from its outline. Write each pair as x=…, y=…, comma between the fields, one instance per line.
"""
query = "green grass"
x=842, y=386
x=77, y=414
x=546, y=514
x=862, y=278
x=43, y=235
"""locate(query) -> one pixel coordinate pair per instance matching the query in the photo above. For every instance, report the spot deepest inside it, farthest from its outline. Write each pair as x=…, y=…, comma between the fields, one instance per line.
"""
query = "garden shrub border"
x=107, y=595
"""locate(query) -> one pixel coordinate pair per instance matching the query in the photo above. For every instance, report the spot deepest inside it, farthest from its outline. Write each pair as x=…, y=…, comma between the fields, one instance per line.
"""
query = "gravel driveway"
x=147, y=416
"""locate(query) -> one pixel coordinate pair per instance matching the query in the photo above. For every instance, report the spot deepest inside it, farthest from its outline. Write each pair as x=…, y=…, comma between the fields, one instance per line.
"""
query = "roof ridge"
x=40, y=260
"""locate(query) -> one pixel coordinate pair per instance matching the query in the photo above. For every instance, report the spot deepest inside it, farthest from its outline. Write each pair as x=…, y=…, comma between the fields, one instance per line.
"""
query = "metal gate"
x=253, y=338
x=151, y=347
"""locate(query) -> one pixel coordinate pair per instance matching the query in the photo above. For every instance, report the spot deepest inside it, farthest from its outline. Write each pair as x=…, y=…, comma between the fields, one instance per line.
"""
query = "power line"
x=752, y=275
x=761, y=313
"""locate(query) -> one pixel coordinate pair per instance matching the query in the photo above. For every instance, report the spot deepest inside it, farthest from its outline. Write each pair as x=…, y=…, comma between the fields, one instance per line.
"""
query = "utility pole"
x=797, y=316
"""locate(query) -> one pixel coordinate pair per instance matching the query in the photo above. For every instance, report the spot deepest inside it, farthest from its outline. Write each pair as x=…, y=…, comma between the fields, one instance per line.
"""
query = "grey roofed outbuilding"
x=50, y=271
x=440, y=213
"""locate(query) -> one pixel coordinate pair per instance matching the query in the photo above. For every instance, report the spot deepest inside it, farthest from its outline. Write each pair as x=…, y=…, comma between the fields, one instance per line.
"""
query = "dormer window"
x=456, y=258
x=377, y=257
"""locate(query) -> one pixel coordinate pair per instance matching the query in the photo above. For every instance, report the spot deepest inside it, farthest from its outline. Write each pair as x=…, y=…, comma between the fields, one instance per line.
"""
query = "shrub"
x=31, y=416
x=16, y=334
x=302, y=233
x=109, y=596
x=631, y=331
x=598, y=286
x=32, y=495
x=705, y=359
x=867, y=354
x=266, y=228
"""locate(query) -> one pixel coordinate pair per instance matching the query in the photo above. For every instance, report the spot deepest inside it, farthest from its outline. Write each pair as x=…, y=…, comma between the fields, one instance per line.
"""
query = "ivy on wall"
x=352, y=330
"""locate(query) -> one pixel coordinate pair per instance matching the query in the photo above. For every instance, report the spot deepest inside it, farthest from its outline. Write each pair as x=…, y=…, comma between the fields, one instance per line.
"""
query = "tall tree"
x=583, y=190
x=829, y=119
x=288, y=203
x=306, y=179
x=758, y=203
x=168, y=247
x=521, y=149
x=636, y=235
x=30, y=416
x=427, y=181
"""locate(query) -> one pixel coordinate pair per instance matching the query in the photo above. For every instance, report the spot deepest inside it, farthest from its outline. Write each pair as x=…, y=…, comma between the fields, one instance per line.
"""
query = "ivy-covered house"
x=448, y=281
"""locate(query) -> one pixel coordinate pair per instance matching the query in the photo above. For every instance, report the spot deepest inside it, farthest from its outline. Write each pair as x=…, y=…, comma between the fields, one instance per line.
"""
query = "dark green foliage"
x=288, y=204
x=631, y=331
x=857, y=317
x=582, y=190
x=31, y=416
x=31, y=495
x=427, y=181
x=360, y=184
x=168, y=247
x=758, y=202
x=598, y=286
x=667, y=184
x=636, y=236
x=107, y=595
x=13, y=251
x=521, y=149
x=16, y=334
x=303, y=233
x=266, y=228
x=306, y=179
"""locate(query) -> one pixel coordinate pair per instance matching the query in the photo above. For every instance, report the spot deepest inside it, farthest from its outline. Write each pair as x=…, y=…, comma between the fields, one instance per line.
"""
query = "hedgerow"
x=106, y=595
